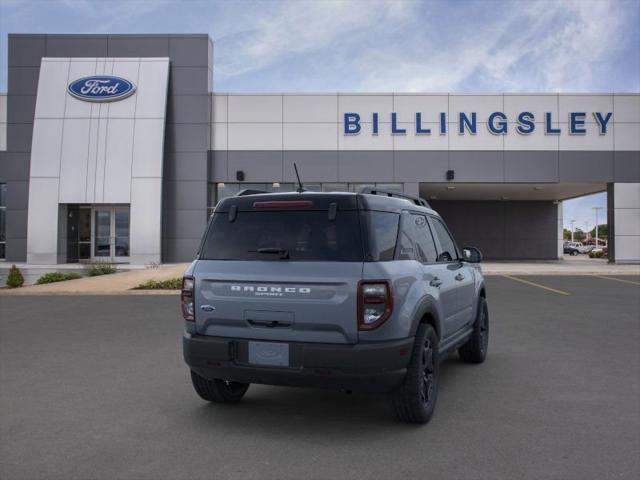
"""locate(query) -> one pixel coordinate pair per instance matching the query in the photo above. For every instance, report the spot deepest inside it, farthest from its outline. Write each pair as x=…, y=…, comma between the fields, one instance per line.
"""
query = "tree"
x=15, y=278
x=603, y=231
x=566, y=234
x=578, y=235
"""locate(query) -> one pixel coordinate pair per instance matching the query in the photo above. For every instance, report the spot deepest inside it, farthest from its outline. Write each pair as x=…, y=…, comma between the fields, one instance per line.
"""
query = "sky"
x=378, y=45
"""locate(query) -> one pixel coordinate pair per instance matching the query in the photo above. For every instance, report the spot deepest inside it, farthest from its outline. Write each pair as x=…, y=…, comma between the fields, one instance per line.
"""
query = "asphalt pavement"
x=94, y=387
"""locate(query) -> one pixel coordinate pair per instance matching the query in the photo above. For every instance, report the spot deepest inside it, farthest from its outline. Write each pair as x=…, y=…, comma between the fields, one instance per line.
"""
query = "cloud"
x=558, y=46
x=434, y=46
x=274, y=33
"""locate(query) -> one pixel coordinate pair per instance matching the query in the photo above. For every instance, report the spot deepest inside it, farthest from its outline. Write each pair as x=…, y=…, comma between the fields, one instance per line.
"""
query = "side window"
x=448, y=250
x=383, y=232
x=424, y=240
x=407, y=250
x=416, y=242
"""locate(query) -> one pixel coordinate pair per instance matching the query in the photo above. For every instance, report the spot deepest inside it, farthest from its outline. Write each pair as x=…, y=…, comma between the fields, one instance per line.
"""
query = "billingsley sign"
x=497, y=123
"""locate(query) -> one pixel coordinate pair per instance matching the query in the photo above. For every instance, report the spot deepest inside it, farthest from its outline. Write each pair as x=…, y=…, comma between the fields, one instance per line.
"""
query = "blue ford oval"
x=101, y=88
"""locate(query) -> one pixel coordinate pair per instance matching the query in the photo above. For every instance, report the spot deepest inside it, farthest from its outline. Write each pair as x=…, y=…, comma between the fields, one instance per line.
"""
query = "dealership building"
x=117, y=148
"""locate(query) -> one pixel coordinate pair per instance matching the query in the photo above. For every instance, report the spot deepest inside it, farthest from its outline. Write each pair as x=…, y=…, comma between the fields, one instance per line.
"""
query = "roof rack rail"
x=249, y=191
x=390, y=193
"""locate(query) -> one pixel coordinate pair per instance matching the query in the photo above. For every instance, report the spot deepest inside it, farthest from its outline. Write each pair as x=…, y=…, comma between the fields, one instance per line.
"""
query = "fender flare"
x=427, y=306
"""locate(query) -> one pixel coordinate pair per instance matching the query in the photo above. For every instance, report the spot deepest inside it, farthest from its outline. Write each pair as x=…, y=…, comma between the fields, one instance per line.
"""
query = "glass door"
x=111, y=234
x=120, y=243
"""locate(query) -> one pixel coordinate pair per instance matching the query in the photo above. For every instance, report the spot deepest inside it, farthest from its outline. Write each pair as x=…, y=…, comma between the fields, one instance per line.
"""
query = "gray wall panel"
x=185, y=223
x=16, y=250
x=586, y=166
x=626, y=166
x=258, y=166
x=26, y=50
x=17, y=195
x=314, y=166
x=365, y=166
x=503, y=230
x=19, y=137
x=530, y=166
x=218, y=164
x=138, y=46
x=76, y=46
x=190, y=51
x=189, y=109
x=187, y=137
x=180, y=249
x=477, y=166
x=428, y=165
x=185, y=166
x=185, y=195
x=188, y=80
x=15, y=166
x=22, y=108
x=23, y=80
x=16, y=224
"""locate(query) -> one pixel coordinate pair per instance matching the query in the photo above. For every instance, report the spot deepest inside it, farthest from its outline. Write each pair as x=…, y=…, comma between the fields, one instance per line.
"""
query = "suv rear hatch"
x=281, y=267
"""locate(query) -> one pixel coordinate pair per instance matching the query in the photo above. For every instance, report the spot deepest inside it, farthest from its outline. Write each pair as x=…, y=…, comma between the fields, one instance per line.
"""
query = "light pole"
x=572, y=228
x=596, y=209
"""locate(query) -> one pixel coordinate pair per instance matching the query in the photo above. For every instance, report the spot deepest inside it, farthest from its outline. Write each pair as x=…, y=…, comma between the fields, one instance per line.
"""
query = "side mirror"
x=471, y=255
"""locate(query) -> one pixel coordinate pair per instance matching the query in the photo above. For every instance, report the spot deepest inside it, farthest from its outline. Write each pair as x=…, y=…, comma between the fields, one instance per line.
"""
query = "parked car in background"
x=572, y=248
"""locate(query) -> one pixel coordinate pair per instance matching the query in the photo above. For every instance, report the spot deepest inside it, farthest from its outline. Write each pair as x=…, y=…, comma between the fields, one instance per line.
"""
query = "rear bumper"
x=371, y=367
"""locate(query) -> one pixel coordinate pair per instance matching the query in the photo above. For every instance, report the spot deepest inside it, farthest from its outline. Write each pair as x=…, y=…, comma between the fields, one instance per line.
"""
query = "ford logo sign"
x=101, y=88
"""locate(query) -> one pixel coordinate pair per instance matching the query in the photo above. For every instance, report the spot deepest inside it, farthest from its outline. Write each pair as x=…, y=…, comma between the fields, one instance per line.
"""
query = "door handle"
x=436, y=282
x=459, y=277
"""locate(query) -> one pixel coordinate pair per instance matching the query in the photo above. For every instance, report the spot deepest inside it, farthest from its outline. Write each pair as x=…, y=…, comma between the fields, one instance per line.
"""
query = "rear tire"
x=218, y=391
x=475, y=349
x=415, y=400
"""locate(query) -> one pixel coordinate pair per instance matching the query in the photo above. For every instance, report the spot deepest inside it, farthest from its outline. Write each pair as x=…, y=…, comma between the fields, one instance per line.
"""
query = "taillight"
x=375, y=303
x=186, y=298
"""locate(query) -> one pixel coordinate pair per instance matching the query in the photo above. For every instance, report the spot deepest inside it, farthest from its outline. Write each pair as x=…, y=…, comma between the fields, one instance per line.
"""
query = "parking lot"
x=95, y=387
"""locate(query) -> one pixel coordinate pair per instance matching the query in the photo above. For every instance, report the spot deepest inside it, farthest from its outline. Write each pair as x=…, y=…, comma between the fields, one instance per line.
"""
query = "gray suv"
x=354, y=291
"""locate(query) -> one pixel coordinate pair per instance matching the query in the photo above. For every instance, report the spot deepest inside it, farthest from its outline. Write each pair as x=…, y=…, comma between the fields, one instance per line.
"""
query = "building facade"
x=116, y=148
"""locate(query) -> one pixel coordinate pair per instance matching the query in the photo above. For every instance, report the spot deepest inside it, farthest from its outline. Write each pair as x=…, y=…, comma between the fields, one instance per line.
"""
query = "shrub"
x=596, y=254
x=170, y=284
x=52, y=277
x=100, y=269
x=15, y=278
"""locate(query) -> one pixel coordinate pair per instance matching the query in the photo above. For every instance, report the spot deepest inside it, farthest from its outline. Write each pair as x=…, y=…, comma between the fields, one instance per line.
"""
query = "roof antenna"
x=300, y=187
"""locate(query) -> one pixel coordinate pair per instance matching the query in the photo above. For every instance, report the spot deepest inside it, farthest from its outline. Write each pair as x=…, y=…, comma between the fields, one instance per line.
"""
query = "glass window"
x=424, y=240
x=383, y=233
x=448, y=251
x=416, y=241
x=357, y=187
x=296, y=235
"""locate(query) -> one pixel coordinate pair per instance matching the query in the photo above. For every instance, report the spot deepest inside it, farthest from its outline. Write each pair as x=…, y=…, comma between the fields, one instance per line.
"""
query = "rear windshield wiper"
x=283, y=252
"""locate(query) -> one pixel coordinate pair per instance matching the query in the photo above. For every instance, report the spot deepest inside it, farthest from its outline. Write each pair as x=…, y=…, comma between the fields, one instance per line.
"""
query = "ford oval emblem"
x=101, y=88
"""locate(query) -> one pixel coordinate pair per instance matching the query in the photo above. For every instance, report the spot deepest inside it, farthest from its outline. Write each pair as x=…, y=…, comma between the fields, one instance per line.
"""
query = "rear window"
x=284, y=235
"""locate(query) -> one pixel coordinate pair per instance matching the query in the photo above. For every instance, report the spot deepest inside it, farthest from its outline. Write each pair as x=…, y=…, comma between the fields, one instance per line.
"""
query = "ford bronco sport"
x=354, y=291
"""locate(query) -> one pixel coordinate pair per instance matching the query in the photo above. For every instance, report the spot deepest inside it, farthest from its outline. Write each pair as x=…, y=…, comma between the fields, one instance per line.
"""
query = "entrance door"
x=111, y=234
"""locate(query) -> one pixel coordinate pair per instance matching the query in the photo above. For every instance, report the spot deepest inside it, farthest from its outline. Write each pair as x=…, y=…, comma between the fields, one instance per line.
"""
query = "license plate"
x=269, y=353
